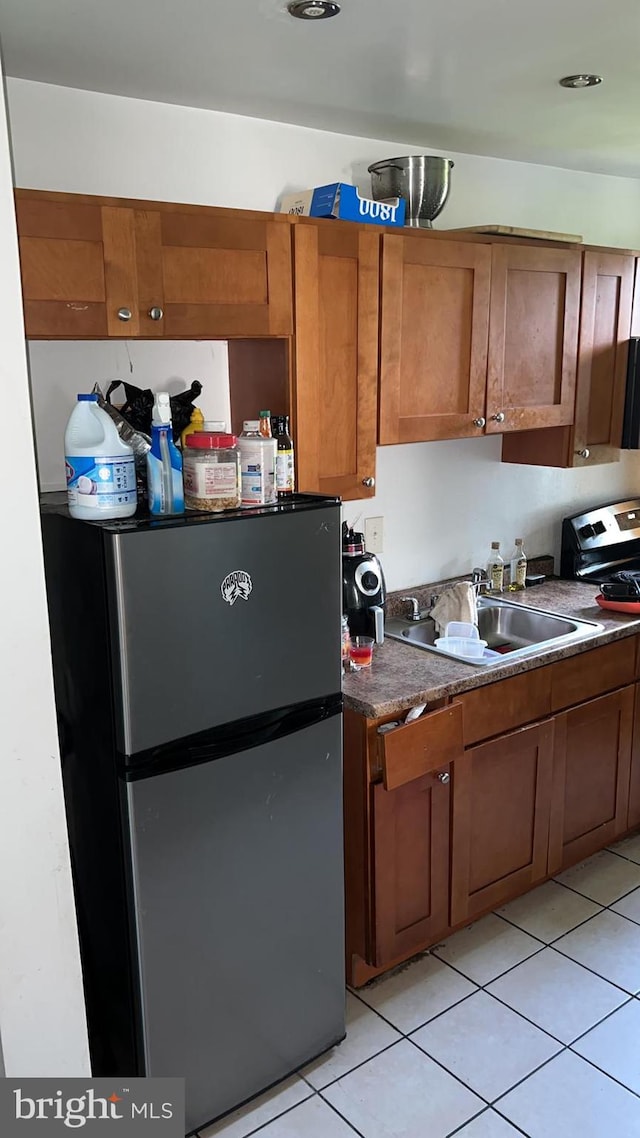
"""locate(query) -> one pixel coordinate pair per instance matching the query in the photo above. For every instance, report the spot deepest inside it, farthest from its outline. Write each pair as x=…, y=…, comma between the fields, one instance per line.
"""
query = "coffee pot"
x=363, y=587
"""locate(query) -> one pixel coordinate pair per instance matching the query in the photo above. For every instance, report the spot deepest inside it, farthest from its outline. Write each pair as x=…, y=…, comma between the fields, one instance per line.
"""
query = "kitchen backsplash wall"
x=442, y=503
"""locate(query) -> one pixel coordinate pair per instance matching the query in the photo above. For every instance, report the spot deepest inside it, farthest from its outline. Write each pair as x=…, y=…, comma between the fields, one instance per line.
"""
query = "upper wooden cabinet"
x=336, y=357
x=475, y=338
x=96, y=267
x=605, y=321
x=433, y=346
x=533, y=337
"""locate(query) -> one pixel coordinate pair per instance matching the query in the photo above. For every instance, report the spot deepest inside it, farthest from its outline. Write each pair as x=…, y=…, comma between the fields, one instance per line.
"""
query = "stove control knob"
x=584, y=453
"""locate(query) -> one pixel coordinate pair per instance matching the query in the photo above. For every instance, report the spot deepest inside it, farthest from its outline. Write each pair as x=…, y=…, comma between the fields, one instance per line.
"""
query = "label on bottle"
x=520, y=573
x=101, y=482
x=257, y=467
x=210, y=479
x=496, y=576
x=284, y=472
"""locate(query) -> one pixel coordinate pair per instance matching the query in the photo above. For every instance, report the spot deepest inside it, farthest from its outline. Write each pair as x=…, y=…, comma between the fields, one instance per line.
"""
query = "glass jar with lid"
x=211, y=470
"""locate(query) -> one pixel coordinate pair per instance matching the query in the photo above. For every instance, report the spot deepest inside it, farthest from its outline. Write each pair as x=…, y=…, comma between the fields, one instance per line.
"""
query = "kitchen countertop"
x=402, y=676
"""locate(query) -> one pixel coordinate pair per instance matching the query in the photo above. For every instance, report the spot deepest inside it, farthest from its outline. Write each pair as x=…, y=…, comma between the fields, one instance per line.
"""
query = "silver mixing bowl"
x=422, y=180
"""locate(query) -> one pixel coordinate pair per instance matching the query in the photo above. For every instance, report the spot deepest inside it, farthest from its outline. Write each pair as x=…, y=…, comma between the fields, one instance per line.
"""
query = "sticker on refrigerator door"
x=236, y=584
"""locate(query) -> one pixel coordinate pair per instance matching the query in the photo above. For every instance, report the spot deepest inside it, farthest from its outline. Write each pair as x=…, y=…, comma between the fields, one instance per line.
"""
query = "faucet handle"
x=414, y=613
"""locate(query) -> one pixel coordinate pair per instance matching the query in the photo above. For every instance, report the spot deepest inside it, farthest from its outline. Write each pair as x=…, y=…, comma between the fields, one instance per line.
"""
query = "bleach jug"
x=100, y=467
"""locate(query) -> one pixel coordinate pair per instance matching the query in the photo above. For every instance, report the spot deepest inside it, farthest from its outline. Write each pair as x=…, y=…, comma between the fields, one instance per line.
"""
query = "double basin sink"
x=512, y=630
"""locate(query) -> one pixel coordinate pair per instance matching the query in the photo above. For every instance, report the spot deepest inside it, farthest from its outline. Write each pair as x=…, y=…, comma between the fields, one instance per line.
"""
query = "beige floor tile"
x=629, y=847
x=609, y=945
x=549, y=911
x=614, y=1045
x=403, y=1094
x=312, y=1119
x=488, y=1125
x=486, y=949
x=367, y=1034
x=557, y=994
x=268, y=1106
x=568, y=1098
x=603, y=878
x=419, y=992
x=629, y=906
x=486, y=1045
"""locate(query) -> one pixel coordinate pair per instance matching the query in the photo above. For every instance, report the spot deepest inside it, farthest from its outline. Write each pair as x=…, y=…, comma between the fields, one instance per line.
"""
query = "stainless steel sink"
x=512, y=630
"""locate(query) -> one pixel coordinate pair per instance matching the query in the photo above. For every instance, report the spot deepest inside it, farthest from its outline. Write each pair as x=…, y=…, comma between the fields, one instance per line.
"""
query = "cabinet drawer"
x=500, y=707
x=593, y=673
x=414, y=749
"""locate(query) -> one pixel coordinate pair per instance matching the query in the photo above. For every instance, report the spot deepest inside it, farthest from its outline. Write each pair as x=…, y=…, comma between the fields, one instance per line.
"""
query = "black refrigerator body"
x=197, y=673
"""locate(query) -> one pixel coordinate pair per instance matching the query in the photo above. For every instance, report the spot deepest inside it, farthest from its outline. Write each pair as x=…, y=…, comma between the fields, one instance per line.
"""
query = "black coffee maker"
x=363, y=587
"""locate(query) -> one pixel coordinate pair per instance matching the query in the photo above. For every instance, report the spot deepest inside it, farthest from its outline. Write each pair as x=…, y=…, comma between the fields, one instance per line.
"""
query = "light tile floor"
x=526, y=1023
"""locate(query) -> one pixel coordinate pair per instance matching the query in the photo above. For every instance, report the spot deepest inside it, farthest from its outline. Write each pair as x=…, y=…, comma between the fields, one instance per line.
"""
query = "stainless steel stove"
x=601, y=542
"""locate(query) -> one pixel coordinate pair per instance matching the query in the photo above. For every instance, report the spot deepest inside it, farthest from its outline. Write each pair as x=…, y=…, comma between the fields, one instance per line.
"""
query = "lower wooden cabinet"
x=633, y=816
x=411, y=864
x=591, y=767
x=501, y=804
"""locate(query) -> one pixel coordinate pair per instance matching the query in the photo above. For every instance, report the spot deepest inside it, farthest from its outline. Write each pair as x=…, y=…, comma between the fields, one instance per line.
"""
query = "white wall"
x=442, y=502
x=42, y=1021
x=60, y=369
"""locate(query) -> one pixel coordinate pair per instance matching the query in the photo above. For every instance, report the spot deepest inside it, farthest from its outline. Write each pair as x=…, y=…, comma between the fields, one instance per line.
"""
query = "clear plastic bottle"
x=257, y=464
x=518, y=567
x=495, y=568
x=270, y=468
x=100, y=467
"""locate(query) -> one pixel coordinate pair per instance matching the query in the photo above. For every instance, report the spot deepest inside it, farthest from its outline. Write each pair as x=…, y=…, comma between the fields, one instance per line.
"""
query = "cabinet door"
x=215, y=275
x=78, y=267
x=633, y=818
x=592, y=756
x=501, y=803
x=411, y=864
x=605, y=322
x=336, y=351
x=533, y=337
x=434, y=327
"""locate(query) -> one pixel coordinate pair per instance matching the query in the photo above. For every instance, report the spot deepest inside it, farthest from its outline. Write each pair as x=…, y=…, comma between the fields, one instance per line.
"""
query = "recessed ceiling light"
x=313, y=9
x=578, y=81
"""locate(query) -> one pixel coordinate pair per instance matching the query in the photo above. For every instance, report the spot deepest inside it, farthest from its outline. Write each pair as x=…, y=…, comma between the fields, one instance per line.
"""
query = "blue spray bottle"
x=164, y=462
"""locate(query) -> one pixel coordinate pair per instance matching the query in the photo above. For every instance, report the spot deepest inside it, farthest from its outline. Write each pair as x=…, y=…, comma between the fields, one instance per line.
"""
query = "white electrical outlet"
x=373, y=535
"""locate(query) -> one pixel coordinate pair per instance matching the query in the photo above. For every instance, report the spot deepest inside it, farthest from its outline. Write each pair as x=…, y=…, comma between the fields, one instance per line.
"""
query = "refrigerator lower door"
x=237, y=883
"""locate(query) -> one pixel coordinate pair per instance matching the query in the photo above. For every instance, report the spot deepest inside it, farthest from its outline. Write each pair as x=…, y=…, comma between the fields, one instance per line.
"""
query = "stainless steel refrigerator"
x=197, y=673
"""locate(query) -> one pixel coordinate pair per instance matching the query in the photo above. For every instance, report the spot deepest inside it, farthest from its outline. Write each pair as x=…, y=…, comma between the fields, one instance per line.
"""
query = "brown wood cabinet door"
x=501, y=803
x=336, y=353
x=592, y=756
x=605, y=323
x=78, y=268
x=533, y=337
x=434, y=327
x=411, y=865
x=214, y=276
x=633, y=818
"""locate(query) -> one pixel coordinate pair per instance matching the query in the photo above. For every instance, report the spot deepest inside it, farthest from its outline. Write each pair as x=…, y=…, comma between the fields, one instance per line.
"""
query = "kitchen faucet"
x=480, y=582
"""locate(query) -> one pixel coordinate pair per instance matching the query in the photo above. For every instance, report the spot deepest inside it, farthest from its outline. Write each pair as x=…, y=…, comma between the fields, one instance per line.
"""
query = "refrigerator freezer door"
x=222, y=621
x=238, y=891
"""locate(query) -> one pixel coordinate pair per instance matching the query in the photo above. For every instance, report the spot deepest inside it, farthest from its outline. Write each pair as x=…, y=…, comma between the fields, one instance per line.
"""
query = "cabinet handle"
x=584, y=453
x=499, y=418
x=480, y=422
x=124, y=314
x=443, y=776
x=368, y=481
x=156, y=313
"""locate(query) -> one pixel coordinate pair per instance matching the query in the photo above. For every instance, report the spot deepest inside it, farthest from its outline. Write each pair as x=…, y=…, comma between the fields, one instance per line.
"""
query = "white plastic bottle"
x=100, y=467
x=257, y=465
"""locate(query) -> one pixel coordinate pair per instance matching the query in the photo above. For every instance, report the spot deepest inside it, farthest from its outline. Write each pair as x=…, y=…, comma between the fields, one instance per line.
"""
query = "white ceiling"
x=476, y=76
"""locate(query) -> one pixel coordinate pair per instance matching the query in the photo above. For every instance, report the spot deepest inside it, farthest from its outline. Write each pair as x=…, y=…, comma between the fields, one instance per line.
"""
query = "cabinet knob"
x=443, y=776
x=156, y=313
x=124, y=314
x=368, y=482
x=499, y=418
x=584, y=453
x=480, y=422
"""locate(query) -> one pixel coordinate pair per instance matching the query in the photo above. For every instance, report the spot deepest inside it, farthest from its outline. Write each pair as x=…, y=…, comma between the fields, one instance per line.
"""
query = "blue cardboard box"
x=343, y=201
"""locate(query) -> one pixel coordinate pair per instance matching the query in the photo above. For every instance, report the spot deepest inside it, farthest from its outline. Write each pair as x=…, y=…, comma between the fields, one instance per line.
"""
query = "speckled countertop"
x=402, y=676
